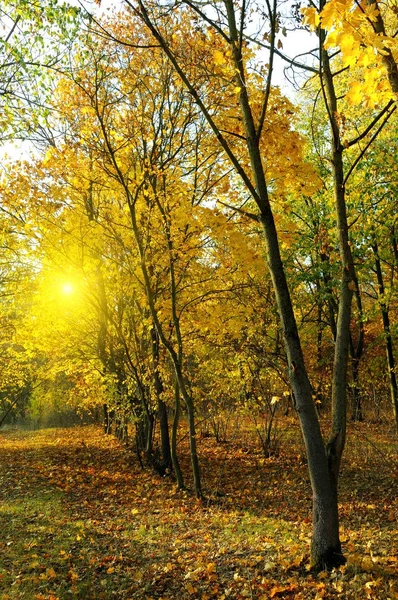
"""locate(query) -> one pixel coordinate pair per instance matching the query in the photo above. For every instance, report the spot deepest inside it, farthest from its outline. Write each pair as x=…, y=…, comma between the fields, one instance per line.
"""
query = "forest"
x=198, y=299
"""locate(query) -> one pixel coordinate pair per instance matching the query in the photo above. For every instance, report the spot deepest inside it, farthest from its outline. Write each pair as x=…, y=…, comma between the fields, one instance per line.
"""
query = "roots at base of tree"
x=330, y=559
x=154, y=462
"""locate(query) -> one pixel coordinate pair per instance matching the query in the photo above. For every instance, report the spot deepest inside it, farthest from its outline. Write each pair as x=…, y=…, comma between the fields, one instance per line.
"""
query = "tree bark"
x=387, y=56
x=387, y=334
x=174, y=454
x=348, y=284
x=162, y=408
x=357, y=412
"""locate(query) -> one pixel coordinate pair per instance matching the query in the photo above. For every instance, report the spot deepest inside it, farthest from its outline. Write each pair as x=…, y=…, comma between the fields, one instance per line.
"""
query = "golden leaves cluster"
x=350, y=28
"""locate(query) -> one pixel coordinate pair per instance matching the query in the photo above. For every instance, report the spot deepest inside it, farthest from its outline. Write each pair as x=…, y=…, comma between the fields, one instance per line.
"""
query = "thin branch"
x=240, y=210
x=370, y=127
x=12, y=28
x=272, y=17
x=361, y=154
x=208, y=20
x=291, y=61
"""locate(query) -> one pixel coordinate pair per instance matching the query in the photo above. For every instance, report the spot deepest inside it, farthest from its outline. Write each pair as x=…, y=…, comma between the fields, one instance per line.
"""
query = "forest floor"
x=79, y=518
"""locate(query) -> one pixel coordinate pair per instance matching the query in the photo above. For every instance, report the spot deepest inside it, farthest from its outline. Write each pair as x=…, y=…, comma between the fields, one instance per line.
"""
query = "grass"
x=80, y=519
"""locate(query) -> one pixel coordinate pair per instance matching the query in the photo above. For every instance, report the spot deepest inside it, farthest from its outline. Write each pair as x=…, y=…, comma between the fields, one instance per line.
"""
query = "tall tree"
x=226, y=25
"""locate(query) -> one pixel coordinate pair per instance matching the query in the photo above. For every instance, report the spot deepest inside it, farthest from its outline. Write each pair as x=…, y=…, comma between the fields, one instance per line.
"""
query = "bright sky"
x=295, y=44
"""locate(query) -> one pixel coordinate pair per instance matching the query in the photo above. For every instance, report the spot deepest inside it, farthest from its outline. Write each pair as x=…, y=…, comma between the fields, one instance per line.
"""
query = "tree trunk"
x=387, y=334
x=162, y=408
x=174, y=455
x=164, y=435
x=192, y=432
x=387, y=55
x=357, y=413
x=107, y=420
x=325, y=545
x=150, y=422
x=326, y=549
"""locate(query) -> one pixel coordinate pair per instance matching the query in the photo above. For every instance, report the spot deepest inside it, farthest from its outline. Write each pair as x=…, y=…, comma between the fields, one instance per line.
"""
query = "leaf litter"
x=81, y=519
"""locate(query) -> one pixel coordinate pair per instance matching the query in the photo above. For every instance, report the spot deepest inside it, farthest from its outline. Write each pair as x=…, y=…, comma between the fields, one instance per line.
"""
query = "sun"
x=67, y=288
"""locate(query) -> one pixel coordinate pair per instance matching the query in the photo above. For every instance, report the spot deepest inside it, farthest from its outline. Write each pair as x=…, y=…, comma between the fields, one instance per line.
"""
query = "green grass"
x=38, y=538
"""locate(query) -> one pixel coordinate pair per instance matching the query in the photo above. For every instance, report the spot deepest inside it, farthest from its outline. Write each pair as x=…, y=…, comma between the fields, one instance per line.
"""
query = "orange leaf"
x=276, y=591
x=51, y=573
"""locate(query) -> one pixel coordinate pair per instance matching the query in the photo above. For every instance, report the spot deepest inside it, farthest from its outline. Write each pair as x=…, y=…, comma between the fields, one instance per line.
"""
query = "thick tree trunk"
x=326, y=535
x=326, y=549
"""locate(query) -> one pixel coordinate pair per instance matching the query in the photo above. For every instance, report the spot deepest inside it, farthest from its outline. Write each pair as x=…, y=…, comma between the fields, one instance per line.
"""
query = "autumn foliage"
x=193, y=260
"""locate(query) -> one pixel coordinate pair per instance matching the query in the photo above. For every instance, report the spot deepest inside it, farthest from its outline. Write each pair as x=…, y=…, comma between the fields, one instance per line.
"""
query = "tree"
x=137, y=160
x=34, y=39
x=230, y=27
x=226, y=24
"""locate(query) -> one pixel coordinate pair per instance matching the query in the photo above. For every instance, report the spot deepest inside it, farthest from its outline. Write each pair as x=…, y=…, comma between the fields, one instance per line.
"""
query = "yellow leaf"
x=73, y=575
x=218, y=57
x=278, y=590
x=349, y=48
x=110, y=570
x=372, y=12
x=331, y=40
x=354, y=95
x=311, y=17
